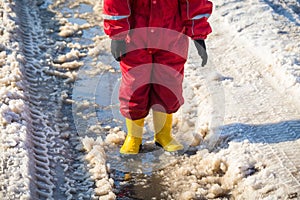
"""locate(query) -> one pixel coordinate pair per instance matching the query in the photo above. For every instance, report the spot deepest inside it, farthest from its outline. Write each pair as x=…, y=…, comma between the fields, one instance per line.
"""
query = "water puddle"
x=139, y=186
x=77, y=21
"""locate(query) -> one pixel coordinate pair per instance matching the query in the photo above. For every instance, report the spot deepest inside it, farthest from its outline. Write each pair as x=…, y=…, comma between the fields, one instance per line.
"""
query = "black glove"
x=118, y=49
x=201, y=48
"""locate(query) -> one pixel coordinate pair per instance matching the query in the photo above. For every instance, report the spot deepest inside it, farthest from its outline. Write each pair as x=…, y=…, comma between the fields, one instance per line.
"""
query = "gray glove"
x=201, y=48
x=118, y=49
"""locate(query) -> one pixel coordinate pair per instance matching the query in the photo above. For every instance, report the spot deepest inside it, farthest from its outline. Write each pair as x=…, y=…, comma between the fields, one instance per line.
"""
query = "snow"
x=96, y=157
x=240, y=117
x=216, y=174
x=14, y=115
x=271, y=31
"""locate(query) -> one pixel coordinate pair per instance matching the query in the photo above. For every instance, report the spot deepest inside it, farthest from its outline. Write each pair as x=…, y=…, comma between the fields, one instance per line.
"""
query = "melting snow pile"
x=239, y=170
x=96, y=157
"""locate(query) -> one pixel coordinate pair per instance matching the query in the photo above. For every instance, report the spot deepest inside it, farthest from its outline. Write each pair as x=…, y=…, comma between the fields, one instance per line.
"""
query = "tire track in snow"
x=39, y=130
x=270, y=35
x=257, y=103
x=287, y=8
x=58, y=167
x=283, y=160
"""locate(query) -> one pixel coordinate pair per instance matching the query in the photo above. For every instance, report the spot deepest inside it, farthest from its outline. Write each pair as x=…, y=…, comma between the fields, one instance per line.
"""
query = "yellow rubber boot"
x=134, y=136
x=163, y=126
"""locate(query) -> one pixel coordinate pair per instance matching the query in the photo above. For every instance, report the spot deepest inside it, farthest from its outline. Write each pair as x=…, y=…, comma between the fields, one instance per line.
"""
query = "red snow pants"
x=151, y=78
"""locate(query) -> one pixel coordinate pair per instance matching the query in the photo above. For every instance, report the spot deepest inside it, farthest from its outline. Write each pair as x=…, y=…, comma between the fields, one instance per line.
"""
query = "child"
x=149, y=40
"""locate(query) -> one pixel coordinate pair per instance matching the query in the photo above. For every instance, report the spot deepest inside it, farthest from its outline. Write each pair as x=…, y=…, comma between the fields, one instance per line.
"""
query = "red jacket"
x=185, y=16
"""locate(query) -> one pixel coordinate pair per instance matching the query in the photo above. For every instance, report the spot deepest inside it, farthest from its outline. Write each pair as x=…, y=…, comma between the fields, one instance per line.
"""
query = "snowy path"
x=244, y=89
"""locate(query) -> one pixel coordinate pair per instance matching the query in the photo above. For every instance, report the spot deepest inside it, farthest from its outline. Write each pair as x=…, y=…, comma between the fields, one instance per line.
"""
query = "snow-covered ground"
x=60, y=134
x=14, y=114
x=271, y=31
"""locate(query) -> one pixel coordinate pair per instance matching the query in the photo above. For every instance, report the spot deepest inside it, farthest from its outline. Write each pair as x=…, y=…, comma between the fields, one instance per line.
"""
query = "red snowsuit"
x=157, y=46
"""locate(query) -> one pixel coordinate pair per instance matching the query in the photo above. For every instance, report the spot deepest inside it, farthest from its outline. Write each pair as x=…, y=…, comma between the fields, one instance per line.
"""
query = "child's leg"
x=135, y=86
x=167, y=78
x=134, y=96
x=166, y=96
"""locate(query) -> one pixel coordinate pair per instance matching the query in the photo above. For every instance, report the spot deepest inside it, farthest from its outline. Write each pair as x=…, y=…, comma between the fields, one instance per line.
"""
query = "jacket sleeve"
x=115, y=15
x=195, y=14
